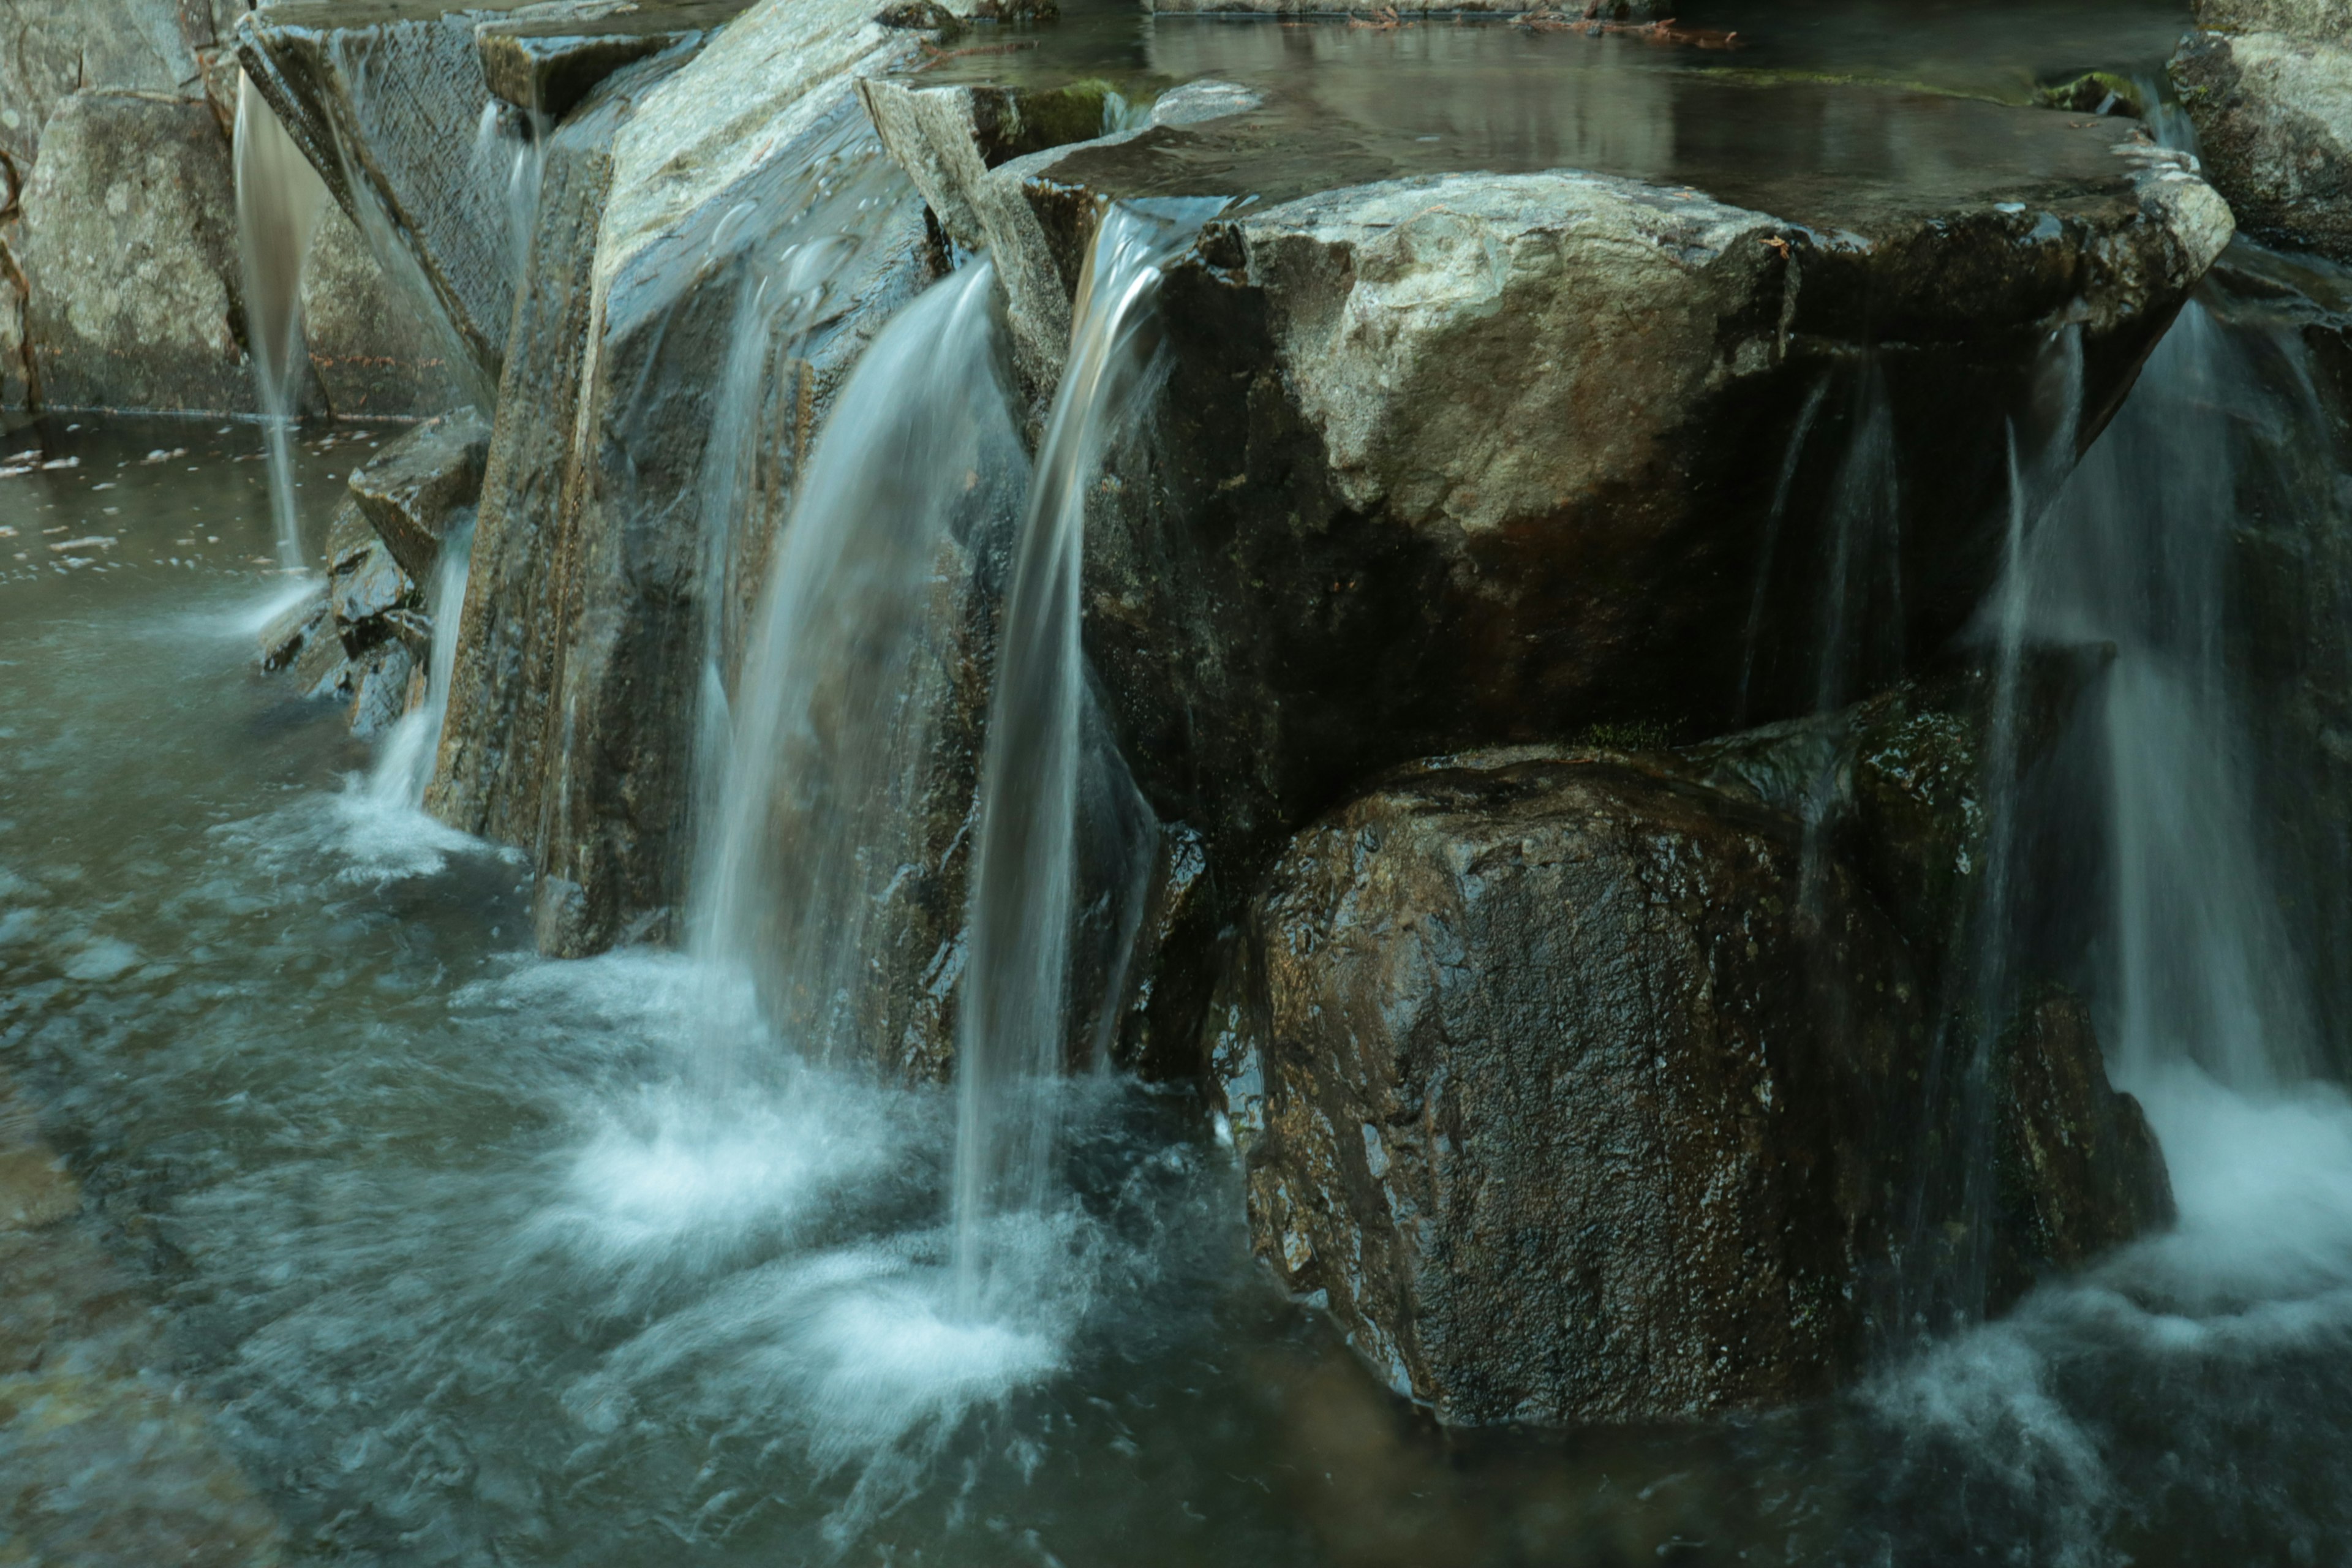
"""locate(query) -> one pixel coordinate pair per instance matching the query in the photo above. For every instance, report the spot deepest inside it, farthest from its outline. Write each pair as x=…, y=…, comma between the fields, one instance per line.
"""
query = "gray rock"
x=414, y=488
x=2274, y=117
x=17, y=375
x=48, y=51
x=384, y=104
x=372, y=351
x=1555, y=1083
x=285, y=638
x=546, y=57
x=380, y=683
x=364, y=591
x=129, y=257
x=2323, y=19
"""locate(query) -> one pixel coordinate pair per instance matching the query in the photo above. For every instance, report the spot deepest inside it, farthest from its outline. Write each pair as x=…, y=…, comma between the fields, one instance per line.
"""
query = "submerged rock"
x=1560, y=1084
x=129, y=257
x=414, y=489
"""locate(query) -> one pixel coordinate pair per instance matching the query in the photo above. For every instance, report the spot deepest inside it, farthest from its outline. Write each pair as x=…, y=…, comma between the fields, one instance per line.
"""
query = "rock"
x=2274, y=117
x=48, y=52
x=365, y=590
x=285, y=638
x=546, y=57
x=384, y=104
x=380, y=687
x=372, y=350
x=129, y=257
x=1553, y=1079
x=711, y=170
x=2078, y=1170
x=412, y=488
x=1449, y=459
x=16, y=378
x=2323, y=19
x=1538, y=1082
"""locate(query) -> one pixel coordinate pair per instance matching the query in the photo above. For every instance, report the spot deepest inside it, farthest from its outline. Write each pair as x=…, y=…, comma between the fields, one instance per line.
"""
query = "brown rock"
x=413, y=489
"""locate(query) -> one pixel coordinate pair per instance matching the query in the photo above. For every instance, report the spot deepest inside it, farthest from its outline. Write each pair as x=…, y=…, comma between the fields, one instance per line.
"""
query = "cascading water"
x=1013, y=1029
x=832, y=736
x=404, y=766
x=2198, y=965
x=279, y=200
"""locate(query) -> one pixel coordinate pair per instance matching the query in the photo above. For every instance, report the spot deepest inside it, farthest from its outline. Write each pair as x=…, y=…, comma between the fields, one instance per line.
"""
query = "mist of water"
x=279, y=200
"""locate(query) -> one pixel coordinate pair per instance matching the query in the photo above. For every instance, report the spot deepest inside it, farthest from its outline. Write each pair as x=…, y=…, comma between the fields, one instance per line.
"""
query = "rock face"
x=2274, y=116
x=667, y=403
x=372, y=351
x=412, y=491
x=1556, y=1083
x=129, y=257
x=384, y=104
x=1449, y=459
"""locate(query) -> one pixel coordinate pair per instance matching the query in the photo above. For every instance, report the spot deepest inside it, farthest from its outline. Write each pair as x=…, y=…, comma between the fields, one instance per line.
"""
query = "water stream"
x=279, y=200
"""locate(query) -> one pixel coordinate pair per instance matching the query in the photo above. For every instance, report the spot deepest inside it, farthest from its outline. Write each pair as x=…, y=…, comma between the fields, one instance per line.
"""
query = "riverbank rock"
x=1559, y=1083
x=129, y=257
x=414, y=489
x=2274, y=116
x=670, y=445
x=1450, y=457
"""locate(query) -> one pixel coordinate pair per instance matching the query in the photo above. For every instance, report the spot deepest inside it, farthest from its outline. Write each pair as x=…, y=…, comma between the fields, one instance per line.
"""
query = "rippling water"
x=467, y=1269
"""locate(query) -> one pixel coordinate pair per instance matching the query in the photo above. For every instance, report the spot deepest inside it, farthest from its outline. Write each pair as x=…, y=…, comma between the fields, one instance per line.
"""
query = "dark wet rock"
x=1560, y=1083
x=547, y=58
x=285, y=638
x=379, y=682
x=365, y=590
x=416, y=488
x=2098, y=92
x=2274, y=117
x=1449, y=459
x=1538, y=1085
x=2078, y=1170
x=16, y=379
x=587, y=630
x=129, y=257
x=919, y=15
x=371, y=602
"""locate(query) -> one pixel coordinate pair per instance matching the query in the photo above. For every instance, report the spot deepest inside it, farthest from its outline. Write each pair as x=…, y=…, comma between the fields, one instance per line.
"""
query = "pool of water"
x=470, y=1256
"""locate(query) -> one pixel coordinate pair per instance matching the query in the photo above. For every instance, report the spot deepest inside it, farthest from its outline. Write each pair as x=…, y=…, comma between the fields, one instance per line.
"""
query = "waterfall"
x=2199, y=965
x=405, y=766
x=1014, y=1025
x=279, y=200
x=830, y=736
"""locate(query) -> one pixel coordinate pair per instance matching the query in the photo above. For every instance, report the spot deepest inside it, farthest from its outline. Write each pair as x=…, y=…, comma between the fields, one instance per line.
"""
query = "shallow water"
x=469, y=1269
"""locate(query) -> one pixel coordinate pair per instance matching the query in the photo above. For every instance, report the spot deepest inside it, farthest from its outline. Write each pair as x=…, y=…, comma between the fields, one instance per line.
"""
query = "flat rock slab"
x=412, y=488
x=546, y=57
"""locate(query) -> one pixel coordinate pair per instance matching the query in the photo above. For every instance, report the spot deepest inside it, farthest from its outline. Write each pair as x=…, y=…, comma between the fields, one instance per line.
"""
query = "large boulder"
x=1454, y=458
x=2274, y=115
x=716, y=240
x=129, y=257
x=106, y=45
x=1556, y=1079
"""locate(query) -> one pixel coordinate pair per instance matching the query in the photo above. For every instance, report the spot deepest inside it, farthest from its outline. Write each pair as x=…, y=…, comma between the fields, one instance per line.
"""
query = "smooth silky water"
x=476, y=1259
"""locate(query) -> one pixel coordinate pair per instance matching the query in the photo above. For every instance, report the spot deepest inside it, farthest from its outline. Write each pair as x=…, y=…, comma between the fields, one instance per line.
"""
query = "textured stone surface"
x=1471, y=458
x=1556, y=1081
x=2327, y=20
x=1535, y=1076
x=129, y=257
x=48, y=50
x=370, y=347
x=414, y=486
x=547, y=58
x=2274, y=116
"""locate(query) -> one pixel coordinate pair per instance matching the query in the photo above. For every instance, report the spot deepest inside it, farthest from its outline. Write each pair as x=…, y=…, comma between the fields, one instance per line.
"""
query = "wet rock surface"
x=2274, y=116
x=370, y=346
x=412, y=491
x=1559, y=1081
x=1537, y=1081
x=129, y=257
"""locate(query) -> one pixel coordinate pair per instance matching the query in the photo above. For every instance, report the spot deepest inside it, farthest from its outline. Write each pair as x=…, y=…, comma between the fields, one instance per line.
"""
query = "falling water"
x=509, y=152
x=830, y=740
x=2201, y=967
x=279, y=200
x=1013, y=1023
x=405, y=766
